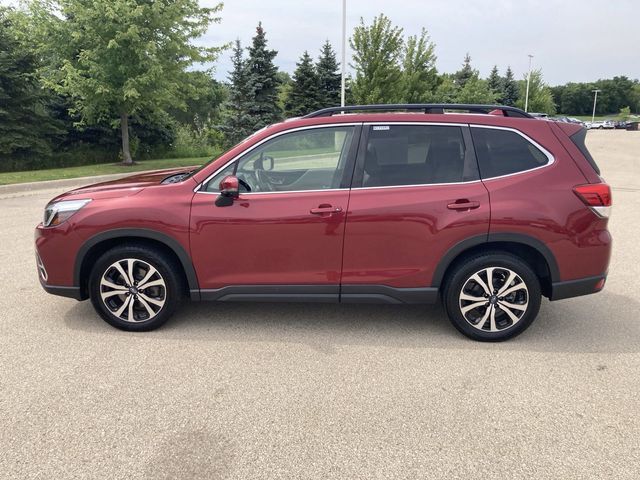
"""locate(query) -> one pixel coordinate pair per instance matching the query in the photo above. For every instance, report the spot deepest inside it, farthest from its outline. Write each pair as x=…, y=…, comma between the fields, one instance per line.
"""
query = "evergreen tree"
x=329, y=79
x=304, y=95
x=238, y=121
x=467, y=72
x=494, y=82
x=263, y=82
x=25, y=122
x=509, y=89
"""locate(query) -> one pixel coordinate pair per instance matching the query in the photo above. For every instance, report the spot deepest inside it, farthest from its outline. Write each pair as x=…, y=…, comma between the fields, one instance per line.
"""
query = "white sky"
x=571, y=40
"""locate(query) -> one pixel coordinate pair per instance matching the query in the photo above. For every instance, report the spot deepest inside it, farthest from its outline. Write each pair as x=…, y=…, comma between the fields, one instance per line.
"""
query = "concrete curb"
x=62, y=183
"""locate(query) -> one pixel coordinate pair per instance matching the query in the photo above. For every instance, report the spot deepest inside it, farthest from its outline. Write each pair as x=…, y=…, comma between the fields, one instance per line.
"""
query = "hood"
x=126, y=186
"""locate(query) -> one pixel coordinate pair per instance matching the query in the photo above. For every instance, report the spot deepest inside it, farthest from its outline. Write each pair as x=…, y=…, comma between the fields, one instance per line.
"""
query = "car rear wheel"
x=492, y=297
x=135, y=288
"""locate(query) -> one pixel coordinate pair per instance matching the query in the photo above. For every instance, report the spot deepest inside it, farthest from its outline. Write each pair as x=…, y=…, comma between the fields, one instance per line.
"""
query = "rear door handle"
x=463, y=204
x=325, y=209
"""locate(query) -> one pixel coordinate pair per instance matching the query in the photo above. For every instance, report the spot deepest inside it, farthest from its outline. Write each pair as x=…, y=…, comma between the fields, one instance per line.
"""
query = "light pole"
x=595, y=99
x=344, y=50
x=526, y=97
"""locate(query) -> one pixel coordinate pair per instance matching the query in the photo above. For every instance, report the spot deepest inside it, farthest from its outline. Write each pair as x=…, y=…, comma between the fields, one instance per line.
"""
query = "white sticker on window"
x=381, y=127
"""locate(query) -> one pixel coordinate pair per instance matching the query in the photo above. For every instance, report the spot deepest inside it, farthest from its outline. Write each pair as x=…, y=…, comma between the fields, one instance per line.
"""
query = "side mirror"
x=264, y=162
x=229, y=191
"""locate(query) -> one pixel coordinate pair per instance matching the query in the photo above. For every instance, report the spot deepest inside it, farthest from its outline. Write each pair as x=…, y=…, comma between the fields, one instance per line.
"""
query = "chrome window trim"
x=551, y=159
x=418, y=185
x=549, y=155
x=264, y=140
x=242, y=194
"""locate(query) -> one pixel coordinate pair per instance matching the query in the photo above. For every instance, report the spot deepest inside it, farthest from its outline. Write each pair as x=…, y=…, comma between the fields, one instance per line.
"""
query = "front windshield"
x=204, y=165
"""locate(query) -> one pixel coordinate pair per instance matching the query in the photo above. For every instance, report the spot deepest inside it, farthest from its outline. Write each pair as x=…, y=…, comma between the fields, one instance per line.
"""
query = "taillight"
x=597, y=196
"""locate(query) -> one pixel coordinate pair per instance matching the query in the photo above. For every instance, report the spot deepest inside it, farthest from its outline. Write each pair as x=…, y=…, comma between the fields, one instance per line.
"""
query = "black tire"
x=168, y=288
x=505, y=327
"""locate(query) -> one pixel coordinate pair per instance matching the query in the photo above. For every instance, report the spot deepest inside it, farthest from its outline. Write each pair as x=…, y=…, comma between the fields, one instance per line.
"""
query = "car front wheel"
x=135, y=288
x=492, y=297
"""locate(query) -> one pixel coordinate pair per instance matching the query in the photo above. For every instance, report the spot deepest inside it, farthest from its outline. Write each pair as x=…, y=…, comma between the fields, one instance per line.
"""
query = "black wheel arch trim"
x=169, y=242
x=461, y=247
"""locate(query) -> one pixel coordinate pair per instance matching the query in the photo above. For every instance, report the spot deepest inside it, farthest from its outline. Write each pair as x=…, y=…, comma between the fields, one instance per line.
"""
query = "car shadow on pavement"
x=584, y=325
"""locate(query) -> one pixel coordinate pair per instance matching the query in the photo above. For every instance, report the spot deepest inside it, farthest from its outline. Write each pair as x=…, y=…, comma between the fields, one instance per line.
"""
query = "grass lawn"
x=99, y=169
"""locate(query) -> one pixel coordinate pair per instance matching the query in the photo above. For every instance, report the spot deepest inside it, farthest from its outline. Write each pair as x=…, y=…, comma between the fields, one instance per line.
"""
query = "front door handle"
x=325, y=209
x=463, y=204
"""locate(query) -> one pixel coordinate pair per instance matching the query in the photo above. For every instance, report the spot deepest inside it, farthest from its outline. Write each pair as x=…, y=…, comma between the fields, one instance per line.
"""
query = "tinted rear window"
x=578, y=140
x=416, y=155
x=502, y=152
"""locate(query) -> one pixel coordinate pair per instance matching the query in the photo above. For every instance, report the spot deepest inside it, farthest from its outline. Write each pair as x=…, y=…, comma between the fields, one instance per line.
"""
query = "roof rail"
x=425, y=107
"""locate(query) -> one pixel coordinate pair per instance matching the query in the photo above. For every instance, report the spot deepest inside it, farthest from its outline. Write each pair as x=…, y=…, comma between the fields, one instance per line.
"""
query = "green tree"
x=419, y=74
x=447, y=90
x=540, y=97
x=285, y=84
x=304, y=94
x=204, y=98
x=117, y=58
x=238, y=122
x=509, y=89
x=625, y=113
x=462, y=76
x=329, y=78
x=25, y=122
x=477, y=91
x=377, y=54
x=263, y=82
x=494, y=82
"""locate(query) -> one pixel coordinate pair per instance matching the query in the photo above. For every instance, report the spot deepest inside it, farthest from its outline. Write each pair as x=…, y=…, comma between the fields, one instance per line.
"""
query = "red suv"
x=483, y=207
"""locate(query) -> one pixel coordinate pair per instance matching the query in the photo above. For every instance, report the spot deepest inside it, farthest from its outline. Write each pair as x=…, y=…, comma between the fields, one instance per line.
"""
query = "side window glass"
x=415, y=155
x=502, y=152
x=311, y=159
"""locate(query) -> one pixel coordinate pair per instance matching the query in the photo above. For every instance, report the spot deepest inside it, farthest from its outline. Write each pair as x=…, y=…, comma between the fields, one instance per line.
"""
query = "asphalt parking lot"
x=253, y=391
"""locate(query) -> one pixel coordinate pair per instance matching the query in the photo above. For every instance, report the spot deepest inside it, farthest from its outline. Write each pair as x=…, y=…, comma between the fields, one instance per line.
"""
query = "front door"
x=283, y=237
x=416, y=193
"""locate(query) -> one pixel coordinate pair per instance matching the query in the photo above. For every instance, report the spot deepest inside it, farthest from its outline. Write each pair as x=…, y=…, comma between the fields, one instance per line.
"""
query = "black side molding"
x=386, y=294
x=576, y=288
x=272, y=293
x=319, y=294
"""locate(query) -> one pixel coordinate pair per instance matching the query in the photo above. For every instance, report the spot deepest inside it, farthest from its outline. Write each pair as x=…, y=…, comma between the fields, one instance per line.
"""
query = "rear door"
x=416, y=193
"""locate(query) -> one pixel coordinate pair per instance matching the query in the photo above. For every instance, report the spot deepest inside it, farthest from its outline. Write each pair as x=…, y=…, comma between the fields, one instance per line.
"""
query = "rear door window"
x=416, y=155
x=503, y=152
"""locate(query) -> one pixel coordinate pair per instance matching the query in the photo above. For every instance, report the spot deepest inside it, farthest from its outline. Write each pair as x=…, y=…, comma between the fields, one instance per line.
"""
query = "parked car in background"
x=621, y=125
x=486, y=212
x=602, y=124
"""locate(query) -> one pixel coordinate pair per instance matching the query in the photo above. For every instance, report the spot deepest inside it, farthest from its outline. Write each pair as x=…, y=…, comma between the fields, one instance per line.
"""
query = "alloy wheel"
x=494, y=299
x=133, y=290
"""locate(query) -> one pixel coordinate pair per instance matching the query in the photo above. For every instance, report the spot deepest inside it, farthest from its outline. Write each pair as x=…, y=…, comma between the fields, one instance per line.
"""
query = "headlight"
x=57, y=212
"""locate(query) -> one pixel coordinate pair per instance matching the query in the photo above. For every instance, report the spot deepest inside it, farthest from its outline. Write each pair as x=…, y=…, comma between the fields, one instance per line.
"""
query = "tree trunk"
x=124, y=126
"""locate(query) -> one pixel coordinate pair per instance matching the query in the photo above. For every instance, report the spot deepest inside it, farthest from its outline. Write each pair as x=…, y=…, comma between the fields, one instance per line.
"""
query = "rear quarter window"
x=503, y=152
x=578, y=140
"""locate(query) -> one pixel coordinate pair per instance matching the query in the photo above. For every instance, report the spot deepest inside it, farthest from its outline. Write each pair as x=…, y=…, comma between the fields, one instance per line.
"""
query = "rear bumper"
x=69, y=292
x=578, y=287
